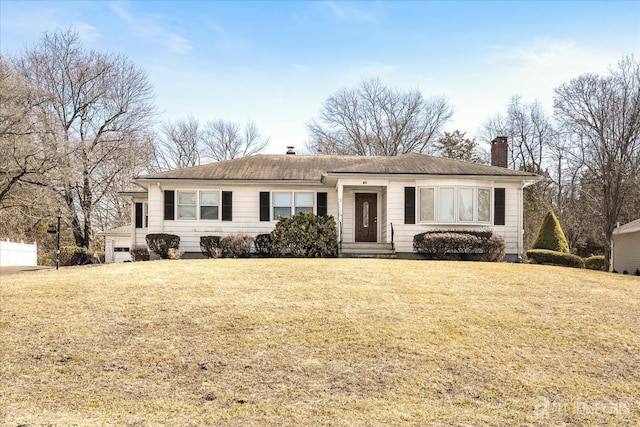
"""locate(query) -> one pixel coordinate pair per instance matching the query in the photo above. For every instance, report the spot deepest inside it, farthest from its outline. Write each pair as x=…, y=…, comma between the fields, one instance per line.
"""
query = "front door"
x=366, y=217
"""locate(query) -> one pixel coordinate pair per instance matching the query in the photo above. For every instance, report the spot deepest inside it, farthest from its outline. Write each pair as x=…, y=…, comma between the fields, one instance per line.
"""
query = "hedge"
x=160, y=243
x=139, y=253
x=482, y=245
x=263, y=244
x=545, y=256
x=210, y=246
x=75, y=255
x=236, y=245
x=595, y=262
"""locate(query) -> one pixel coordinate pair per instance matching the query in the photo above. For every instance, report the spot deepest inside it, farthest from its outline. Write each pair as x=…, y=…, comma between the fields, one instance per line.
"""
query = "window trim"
x=198, y=205
x=456, y=204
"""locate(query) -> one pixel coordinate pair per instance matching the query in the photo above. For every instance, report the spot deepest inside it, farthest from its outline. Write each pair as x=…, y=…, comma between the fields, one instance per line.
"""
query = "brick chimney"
x=500, y=152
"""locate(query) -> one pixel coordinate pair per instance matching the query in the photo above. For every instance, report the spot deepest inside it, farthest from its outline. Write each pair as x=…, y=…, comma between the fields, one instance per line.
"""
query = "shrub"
x=210, y=246
x=236, y=245
x=175, y=253
x=550, y=235
x=305, y=235
x=595, y=262
x=140, y=253
x=460, y=244
x=637, y=271
x=545, y=256
x=160, y=243
x=263, y=243
x=75, y=255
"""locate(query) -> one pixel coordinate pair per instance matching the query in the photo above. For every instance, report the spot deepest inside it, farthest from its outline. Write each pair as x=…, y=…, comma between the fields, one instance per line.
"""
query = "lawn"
x=319, y=342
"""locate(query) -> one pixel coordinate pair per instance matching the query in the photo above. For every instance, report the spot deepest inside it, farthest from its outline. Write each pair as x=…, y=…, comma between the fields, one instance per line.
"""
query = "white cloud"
x=349, y=13
x=121, y=12
x=87, y=32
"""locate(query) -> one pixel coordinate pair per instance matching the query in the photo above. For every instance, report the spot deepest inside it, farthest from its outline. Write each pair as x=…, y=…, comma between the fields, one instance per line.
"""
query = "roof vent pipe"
x=291, y=150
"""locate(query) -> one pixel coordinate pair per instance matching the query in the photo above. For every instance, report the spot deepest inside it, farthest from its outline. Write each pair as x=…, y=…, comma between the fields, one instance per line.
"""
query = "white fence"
x=22, y=254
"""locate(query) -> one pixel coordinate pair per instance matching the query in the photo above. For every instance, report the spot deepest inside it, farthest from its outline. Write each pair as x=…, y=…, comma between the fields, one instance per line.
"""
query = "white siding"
x=404, y=232
x=245, y=213
x=626, y=255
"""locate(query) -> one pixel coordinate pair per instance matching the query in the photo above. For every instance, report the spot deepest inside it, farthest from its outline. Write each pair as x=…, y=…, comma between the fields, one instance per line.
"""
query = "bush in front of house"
x=139, y=253
x=263, y=243
x=236, y=245
x=210, y=246
x=545, y=256
x=595, y=262
x=550, y=235
x=305, y=235
x=160, y=243
x=75, y=255
x=482, y=245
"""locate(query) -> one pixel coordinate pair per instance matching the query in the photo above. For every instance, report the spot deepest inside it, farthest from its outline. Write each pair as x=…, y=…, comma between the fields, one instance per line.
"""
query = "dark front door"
x=366, y=217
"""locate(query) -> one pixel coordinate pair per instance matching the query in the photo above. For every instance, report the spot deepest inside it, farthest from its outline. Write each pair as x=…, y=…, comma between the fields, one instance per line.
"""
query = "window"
x=465, y=204
x=209, y=204
x=484, y=204
x=427, y=205
x=202, y=205
x=455, y=204
x=446, y=205
x=281, y=205
x=142, y=214
x=187, y=205
x=304, y=202
x=287, y=204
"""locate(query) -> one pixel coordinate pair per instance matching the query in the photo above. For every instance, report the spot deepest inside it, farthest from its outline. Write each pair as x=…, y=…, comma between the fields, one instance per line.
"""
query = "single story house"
x=625, y=252
x=379, y=203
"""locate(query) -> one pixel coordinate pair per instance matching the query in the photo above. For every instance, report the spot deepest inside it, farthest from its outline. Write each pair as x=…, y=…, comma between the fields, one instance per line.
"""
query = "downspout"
x=340, y=193
x=161, y=198
x=520, y=222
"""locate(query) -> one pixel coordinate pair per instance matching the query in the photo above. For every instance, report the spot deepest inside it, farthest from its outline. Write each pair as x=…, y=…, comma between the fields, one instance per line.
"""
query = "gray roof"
x=629, y=227
x=312, y=168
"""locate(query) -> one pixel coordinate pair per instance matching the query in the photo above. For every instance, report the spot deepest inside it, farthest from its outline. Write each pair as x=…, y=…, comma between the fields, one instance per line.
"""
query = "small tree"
x=550, y=235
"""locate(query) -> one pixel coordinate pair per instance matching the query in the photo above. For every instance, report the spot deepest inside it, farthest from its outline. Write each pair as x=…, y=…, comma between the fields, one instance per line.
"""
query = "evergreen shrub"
x=550, y=235
x=305, y=235
x=546, y=256
x=595, y=262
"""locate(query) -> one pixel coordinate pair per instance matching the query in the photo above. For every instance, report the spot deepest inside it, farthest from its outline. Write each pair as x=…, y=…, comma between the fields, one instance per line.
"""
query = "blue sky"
x=276, y=62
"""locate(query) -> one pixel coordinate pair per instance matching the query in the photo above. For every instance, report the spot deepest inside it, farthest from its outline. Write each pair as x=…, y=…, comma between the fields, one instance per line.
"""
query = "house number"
x=364, y=182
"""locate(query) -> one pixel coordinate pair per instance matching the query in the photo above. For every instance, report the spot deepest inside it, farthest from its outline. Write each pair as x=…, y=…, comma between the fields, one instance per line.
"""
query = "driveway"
x=6, y=270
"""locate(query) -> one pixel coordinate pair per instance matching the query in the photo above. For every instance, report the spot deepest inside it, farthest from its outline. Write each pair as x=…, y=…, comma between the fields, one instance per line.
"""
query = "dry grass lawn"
x=319, y=342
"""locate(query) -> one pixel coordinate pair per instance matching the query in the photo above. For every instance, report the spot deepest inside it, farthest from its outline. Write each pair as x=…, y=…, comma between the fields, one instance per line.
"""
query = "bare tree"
x=603, y=116
x=179, y=145
x=224, y=140
x=376, y=120
x=91, y=116
x=22, y=161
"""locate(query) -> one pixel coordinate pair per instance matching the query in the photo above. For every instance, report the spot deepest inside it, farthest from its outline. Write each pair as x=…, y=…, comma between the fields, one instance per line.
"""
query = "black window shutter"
x=138, y=215
x=227, y=206
x=321, y=203
x=264, y=206
x=169, y=201
x=498, y=206
x=409, y=205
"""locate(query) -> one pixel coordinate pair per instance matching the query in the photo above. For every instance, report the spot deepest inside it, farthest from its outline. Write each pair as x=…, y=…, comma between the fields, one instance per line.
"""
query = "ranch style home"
x=379, y=203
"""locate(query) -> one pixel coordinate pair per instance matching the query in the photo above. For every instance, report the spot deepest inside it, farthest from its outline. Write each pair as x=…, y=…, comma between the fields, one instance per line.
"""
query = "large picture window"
x=450, y=205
